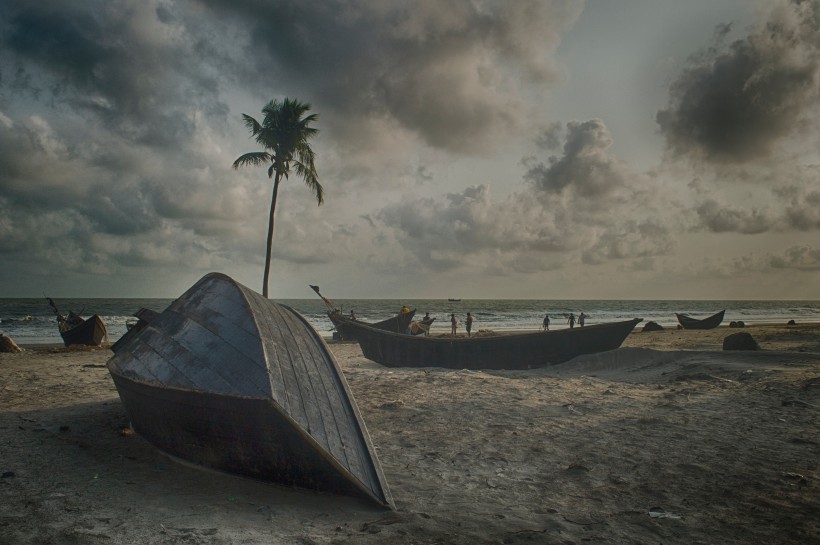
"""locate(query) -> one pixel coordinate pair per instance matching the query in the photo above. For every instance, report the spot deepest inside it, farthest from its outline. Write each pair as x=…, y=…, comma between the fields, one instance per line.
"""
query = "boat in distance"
x=229, y=380
x=510, y=351
x=74, y=329
x=687, y=322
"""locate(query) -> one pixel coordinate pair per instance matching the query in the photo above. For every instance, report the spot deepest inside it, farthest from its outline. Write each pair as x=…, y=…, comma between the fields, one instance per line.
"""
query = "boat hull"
x=91, y=332
x=243, y=436
x=687, y=322
x=229, y=380
x=515, y=351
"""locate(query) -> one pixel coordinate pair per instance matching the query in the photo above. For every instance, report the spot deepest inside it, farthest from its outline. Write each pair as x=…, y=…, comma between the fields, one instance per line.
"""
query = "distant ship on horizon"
x=454, y=300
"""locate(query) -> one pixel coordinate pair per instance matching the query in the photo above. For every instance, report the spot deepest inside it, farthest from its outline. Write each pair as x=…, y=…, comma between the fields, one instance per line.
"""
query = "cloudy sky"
x=623, y=149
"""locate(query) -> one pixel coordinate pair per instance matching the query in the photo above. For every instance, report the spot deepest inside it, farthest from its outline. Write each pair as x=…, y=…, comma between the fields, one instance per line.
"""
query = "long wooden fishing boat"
x=74, y=329
x=511, y=351
x=687, y=322
x=229, y=380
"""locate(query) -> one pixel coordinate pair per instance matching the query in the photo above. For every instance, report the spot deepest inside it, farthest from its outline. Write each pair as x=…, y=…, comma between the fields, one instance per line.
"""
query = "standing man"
x=547, y=322
x=571, y=320
x=581, y=318
x=453, y=324
x=469, y=323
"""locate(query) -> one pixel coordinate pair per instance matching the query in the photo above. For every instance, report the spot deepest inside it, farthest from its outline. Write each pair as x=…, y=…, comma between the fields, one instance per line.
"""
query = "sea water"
x=32, y=321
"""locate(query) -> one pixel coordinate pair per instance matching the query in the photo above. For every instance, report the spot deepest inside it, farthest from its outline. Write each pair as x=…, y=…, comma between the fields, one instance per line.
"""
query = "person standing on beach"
x=581, y=318
x=469, y=323
x=571, y=320
x=547, y=322
x=453, y=324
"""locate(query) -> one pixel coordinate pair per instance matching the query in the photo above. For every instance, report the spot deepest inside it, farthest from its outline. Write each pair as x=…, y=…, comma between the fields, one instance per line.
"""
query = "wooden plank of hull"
x=687, y=322
x=517, y=351
x=91, y=332
x=396, y=324
x=224, y=341
x=244, y=436
x=144, y=317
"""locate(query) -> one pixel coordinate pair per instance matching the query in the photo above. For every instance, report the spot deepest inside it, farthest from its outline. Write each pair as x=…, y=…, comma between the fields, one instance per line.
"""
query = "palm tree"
x=284, y=135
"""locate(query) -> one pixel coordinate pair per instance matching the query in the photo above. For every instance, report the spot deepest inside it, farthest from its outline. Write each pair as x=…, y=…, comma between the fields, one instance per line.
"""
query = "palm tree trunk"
x=276, y=180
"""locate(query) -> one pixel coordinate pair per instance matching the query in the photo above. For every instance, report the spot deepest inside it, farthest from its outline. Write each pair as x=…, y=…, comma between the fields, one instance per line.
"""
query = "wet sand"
x=667, y=440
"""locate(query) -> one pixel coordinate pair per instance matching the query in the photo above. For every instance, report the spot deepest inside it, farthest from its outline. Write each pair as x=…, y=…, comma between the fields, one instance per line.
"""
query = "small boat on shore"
x=510, y=351
x=687, y=322
x=76, y=330
x=229, y=380
x=397, y=324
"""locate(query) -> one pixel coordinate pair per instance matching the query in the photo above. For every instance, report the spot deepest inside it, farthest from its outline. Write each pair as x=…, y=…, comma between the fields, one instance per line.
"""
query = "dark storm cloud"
x=116, y=62
x=802, y=208
x=109, y=158
x=109, y=110
x=586, y=169
x=732, y=103
x=585, y=206
x=797, y=257
x=788, y=201
x=721, y=219
x=445, y=72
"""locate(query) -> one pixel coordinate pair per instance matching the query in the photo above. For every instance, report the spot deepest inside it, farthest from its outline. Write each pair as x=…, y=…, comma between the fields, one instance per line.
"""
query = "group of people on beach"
x=468, y=324
x=570, y=320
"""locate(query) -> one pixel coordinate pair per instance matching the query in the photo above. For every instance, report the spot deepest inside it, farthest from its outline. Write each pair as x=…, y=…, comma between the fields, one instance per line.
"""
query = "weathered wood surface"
x=514, y=351
x=228, y=379
x=687, y=322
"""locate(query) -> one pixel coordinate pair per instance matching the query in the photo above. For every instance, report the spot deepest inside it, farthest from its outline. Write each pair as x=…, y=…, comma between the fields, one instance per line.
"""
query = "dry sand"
x=669, y=440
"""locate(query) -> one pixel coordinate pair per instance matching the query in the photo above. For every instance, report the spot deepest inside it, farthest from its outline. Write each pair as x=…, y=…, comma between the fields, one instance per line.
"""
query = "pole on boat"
x=327, y=301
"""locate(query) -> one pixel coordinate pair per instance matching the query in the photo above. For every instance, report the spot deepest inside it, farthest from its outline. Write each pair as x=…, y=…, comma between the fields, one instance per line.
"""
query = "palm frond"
x=254, y=159
x=252, y=124
x=309, y=175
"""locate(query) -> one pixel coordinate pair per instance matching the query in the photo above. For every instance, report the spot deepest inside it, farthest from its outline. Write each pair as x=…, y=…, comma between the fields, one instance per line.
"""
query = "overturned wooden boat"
x=74, y=329
x=232, y=381
x=510, y=351
x=687, y=322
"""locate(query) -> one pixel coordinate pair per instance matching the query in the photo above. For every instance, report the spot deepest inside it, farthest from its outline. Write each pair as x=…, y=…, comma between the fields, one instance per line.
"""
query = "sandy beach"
x=668, y=440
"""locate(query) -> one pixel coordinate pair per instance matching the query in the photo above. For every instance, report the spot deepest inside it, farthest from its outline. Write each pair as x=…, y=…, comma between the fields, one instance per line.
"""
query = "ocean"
x=32, y=321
